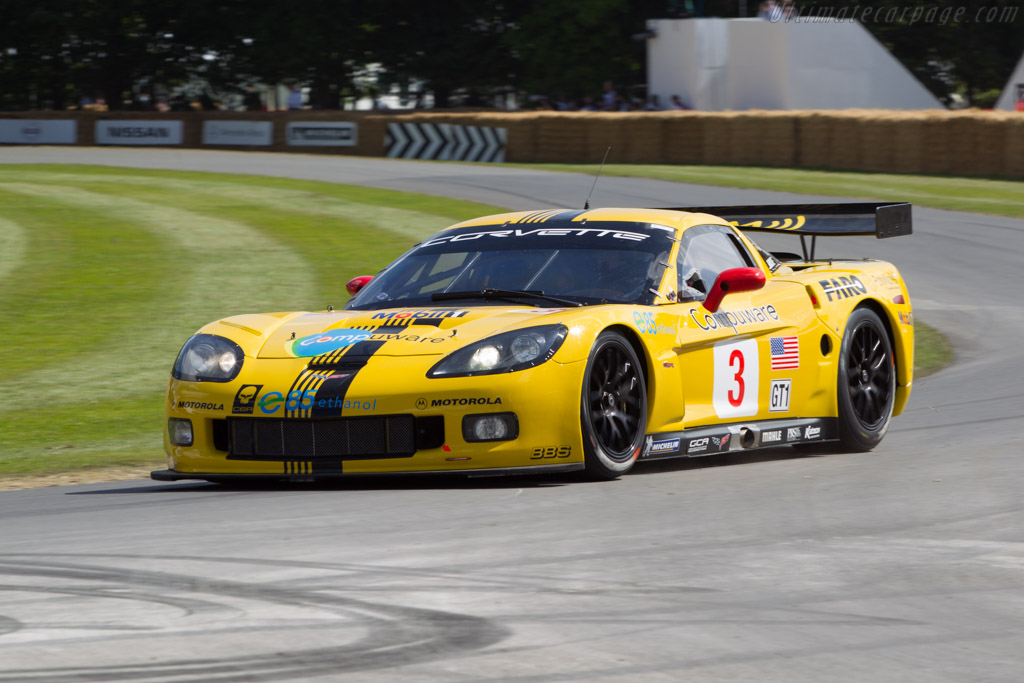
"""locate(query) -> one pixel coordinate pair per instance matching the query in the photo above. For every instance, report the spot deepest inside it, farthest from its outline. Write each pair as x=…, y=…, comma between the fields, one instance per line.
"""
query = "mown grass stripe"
x=12, y=246
x=213, y=257
x=70, y=291
x=399, y=222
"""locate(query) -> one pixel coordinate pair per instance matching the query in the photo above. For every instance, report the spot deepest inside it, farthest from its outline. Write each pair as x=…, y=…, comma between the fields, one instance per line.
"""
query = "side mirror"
x=733, y=280
x=357, y=283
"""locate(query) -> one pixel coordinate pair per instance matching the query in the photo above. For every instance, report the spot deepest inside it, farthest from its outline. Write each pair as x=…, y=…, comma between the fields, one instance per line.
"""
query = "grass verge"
x=932, y=351
x=976, y=195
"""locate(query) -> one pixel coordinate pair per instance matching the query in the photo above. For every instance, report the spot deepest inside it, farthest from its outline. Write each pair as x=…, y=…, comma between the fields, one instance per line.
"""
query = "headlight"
x=506, y=352
x=208, y=358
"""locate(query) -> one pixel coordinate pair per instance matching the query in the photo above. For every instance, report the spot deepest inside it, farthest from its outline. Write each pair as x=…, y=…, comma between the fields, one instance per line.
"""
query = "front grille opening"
x=220, y=434
x=347, y=438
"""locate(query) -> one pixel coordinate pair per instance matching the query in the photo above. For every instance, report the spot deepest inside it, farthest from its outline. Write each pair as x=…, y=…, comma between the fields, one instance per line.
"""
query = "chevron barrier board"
x=445, y=142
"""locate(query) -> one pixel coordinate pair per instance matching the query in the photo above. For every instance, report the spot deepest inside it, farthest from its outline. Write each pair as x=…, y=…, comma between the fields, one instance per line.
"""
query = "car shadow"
x=415, y=482
x=726, y=459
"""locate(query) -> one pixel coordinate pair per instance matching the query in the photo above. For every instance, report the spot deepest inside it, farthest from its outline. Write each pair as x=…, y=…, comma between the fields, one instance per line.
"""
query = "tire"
x=866, y=387
x=613, y=407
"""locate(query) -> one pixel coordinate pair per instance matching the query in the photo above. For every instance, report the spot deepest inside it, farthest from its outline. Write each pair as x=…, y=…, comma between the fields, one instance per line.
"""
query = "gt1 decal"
x=737, y=372
x=547, y=452
x=733, y=319
x=646, y=323
x=325, y=342
x=418, y=315
x=771, y=436
x=778, y=397
x=539, y=232
x=843, y=287
x=793, y=434
x=245, y=399
x=665, y=446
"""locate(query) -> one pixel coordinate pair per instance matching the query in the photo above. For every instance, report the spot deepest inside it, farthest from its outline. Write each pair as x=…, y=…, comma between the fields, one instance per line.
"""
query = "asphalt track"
x=906, y=564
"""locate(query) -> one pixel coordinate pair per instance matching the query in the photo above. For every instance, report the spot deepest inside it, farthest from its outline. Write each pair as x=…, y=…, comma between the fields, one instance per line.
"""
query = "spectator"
x=588, y=104
x=652, y=103
x=678, y=103
x=294, y=98
x=766, y=10
x=609, y=98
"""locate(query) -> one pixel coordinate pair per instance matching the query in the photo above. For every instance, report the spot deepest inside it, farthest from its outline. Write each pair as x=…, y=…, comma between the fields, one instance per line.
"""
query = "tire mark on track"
x=394, y=635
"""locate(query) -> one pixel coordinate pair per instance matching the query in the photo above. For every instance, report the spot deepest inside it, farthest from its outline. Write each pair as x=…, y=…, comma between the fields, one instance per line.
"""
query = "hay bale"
x=643, y=139
x=847, y=143
x=561, y=139
x=876, y=138
x=990, y=134
x=813, y=139
x=718, y=138
x=909, y=134
x=1013, y=156
x=935, y=148
x=743, y=138
x=776, y=134
x=684, y=137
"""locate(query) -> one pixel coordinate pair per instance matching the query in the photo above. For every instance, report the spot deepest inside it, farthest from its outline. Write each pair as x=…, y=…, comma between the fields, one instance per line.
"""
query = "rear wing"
x=817, y=220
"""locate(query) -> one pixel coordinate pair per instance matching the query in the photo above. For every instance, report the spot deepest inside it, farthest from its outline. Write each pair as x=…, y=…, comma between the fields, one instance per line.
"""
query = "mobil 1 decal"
x=735, y=389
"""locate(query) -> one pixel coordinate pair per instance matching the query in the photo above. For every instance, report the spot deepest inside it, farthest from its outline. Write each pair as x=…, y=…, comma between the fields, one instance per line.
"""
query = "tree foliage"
x=53, y=53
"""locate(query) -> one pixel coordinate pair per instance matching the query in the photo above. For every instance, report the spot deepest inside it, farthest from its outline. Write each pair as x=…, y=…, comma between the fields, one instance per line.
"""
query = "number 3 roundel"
x=735, y=390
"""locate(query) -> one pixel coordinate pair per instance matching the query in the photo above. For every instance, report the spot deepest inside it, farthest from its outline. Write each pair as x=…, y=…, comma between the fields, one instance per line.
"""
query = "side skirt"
x=172, y=475
x=739, y=436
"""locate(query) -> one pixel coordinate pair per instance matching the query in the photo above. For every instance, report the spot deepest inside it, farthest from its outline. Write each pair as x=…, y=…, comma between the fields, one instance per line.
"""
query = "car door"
x=737, y=362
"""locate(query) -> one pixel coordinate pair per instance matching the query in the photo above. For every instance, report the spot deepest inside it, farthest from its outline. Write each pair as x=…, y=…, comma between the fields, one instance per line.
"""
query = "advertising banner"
x=238, y=132
x=38, y=132
x=322, y=133
x=130, y=132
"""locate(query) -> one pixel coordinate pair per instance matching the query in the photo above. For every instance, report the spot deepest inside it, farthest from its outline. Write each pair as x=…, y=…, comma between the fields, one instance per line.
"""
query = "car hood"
x=403, y=331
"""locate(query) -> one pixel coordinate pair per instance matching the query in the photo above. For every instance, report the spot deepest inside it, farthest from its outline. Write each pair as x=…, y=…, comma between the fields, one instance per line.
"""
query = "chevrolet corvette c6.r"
x=560, y=340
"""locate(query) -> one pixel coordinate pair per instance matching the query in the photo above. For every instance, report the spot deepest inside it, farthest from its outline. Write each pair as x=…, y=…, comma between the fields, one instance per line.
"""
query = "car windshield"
x=589, y=263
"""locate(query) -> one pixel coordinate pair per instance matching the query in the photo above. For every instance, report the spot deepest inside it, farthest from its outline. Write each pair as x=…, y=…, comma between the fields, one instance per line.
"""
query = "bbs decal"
x=547, y=452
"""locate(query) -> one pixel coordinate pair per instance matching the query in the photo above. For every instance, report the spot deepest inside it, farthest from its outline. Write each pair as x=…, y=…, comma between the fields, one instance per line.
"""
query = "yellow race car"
x=560, y=340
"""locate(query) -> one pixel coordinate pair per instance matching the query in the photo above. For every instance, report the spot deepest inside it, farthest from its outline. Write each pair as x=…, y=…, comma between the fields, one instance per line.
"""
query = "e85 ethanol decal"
x=545, y=452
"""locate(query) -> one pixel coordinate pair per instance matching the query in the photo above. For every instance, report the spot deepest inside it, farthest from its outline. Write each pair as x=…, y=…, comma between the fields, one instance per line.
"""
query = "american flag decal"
x=785, y=353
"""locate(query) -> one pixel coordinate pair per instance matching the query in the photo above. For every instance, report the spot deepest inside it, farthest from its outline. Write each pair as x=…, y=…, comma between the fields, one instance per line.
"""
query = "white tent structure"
x=1014, y=90
x=736, y=64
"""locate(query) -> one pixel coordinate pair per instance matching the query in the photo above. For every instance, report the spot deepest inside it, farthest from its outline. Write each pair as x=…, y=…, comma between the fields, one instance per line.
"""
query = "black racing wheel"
x=613, y=411
x=867, y=382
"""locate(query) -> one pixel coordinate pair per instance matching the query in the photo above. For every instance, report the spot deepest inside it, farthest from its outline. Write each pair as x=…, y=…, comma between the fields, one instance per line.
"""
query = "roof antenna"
x=586, y=204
